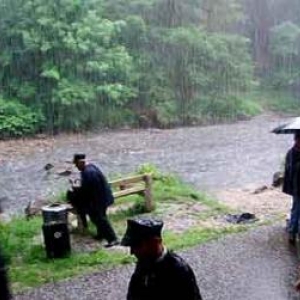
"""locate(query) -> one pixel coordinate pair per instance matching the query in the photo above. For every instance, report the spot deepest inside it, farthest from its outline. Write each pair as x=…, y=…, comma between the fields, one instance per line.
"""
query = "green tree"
x=63, y=57
x=285, y=51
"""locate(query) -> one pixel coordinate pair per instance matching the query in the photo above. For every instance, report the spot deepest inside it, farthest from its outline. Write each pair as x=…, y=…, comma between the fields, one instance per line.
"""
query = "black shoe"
x=112, y=243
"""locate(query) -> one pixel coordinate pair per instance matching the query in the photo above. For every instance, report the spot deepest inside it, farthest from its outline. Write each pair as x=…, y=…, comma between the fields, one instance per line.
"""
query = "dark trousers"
x=4, y=290
x=74, y=197
x=4, y=284
x=104, y=229
x=295, y=216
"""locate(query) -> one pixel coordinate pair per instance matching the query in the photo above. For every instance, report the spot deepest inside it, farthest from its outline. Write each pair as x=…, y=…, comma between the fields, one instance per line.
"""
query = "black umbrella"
x=291, y=127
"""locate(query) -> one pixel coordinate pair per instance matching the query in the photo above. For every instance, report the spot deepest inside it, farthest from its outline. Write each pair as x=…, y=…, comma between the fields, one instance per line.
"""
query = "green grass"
x=196, y=236
x=27, y=260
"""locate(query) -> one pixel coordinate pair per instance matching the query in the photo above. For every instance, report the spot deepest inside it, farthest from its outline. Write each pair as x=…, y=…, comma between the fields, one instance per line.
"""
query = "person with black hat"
x=159, y=274
x=291, y=186
x=96, y=196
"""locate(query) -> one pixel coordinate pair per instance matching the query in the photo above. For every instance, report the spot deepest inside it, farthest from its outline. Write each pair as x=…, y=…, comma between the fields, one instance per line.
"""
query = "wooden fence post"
x=148, y=193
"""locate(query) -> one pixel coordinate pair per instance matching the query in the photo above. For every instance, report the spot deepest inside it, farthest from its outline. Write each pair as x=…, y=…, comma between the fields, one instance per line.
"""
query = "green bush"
x=229, y=108
x=17, y=120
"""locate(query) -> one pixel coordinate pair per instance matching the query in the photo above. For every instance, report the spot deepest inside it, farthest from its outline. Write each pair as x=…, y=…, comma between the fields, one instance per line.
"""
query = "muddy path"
x=212, y=158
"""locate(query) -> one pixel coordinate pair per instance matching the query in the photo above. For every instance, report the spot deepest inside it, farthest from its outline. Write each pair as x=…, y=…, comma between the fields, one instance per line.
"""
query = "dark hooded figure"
x=291, y=186
x=4, y=284
x=159, y=274
x=96, y=196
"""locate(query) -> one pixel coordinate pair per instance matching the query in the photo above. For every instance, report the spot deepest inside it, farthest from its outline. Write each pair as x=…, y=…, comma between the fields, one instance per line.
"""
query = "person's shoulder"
x=177, y=260
x=290, y=153
x=91, y=168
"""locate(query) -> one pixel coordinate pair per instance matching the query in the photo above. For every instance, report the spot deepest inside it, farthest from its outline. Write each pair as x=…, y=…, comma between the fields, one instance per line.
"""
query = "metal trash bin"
x=55, y=213
x=55, y=231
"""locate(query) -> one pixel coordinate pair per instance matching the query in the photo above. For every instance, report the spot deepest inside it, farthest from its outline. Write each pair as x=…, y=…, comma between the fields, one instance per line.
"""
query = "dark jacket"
x=168, y=278
x=291, y=182
x=4, y=285
x=95, y=189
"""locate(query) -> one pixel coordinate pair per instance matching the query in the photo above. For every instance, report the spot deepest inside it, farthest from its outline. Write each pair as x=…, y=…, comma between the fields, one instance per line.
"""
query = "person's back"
x=159, y=273
x=96, y=186
x=291, y=172
x=291, y=186
x=168, y=278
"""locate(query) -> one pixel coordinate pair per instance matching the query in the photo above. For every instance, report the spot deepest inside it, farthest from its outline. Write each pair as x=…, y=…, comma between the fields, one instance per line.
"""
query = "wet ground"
x=212, y=157
x=255, y=265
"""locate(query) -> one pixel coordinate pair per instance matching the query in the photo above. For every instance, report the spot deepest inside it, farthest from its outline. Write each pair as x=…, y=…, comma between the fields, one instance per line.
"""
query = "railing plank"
x=130, y=191
x=128, y=180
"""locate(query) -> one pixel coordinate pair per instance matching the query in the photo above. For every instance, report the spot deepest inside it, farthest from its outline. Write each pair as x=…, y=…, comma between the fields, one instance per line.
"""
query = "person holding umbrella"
x=291, y=181
x=291, y=186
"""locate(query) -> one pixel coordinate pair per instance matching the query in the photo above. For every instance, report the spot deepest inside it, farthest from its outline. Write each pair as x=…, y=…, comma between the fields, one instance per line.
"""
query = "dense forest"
x=73, y=65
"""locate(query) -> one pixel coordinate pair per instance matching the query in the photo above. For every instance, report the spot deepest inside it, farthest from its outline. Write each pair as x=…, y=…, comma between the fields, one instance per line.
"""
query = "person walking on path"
x=96, y=196
x=159, y=274
x=291, y=186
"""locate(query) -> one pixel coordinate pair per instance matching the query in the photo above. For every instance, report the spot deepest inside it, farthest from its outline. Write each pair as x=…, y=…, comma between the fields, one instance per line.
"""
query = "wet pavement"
x=254, y=265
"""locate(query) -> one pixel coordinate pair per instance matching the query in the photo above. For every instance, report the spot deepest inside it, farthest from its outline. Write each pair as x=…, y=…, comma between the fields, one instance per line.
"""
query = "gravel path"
x=256, y=265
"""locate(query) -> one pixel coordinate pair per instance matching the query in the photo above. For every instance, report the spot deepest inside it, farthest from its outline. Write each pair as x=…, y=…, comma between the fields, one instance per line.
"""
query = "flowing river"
x=212, y=157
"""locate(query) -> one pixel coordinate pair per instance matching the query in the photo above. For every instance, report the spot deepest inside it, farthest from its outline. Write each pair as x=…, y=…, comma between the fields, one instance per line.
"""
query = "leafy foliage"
x=94, y=63
x=285, y=51
x=17, y=120
x=69, y=56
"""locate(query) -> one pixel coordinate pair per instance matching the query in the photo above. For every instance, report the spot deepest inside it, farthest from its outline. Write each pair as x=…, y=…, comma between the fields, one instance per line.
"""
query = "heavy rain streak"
x=187, y=88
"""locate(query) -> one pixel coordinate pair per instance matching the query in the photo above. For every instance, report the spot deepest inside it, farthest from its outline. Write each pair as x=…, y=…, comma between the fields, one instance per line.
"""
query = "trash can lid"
x=54, y=207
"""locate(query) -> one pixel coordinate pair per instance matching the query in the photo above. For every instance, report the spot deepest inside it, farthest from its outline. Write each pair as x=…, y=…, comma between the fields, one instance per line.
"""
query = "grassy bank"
x=26, y=256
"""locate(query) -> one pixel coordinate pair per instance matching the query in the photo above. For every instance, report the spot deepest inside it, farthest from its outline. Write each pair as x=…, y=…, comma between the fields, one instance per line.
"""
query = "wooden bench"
x=140, y=185
x=134, y=185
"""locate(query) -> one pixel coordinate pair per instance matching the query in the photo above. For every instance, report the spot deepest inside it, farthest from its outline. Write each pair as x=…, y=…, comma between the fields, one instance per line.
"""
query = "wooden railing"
x=140, y=184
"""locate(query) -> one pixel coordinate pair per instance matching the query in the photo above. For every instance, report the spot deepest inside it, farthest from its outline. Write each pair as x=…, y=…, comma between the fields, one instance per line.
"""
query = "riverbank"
x=227, y=161
x=211, y=158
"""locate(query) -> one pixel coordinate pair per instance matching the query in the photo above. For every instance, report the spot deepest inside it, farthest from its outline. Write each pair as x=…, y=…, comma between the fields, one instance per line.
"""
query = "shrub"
x=17, y=119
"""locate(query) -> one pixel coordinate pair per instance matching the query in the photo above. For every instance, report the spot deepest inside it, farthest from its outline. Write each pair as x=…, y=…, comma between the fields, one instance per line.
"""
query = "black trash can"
x=57, y=240
x=55, y=213
x=55, y=231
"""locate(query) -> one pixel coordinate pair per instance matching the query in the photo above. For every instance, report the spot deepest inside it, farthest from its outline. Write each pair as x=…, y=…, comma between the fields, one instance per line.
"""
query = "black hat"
x=78, y=156
x=140, y=229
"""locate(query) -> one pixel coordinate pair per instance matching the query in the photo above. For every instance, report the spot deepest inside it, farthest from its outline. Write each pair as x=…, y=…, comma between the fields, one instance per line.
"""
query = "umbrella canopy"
x=291, y=127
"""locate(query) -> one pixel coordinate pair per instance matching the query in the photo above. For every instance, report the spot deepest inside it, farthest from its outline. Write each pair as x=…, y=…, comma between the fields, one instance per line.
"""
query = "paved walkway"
x=254, y=265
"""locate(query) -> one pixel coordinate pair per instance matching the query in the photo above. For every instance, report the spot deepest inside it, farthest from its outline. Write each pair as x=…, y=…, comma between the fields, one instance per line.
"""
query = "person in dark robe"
x=291, y=186
x=96, y=196
x=160, y=274
x=5, y=293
